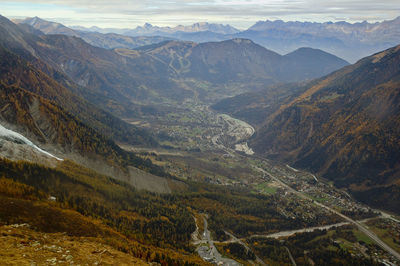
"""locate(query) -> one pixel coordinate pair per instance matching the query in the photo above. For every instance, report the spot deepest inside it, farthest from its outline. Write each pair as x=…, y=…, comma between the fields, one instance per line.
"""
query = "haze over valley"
x=202, y=143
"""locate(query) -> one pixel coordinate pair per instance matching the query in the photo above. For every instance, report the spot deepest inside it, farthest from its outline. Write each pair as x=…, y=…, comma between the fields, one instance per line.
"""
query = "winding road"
x=361, y=227
x=207, y=250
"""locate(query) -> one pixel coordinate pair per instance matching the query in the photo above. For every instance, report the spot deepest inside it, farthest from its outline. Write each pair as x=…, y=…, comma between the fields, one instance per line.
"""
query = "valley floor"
x=205, y=146
x=248, y=210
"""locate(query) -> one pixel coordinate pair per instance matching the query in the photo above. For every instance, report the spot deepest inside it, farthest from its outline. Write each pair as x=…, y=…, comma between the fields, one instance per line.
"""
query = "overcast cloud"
x=242, y=14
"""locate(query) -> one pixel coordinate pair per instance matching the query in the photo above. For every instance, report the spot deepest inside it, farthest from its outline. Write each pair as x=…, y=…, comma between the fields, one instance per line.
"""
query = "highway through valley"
x=360, y=226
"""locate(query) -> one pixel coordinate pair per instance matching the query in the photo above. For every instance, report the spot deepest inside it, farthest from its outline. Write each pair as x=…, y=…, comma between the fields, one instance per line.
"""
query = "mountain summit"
x=148, y=29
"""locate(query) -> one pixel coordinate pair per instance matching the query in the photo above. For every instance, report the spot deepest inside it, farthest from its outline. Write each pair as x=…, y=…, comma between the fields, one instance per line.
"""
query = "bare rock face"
x=145, y=181
x=22, y=152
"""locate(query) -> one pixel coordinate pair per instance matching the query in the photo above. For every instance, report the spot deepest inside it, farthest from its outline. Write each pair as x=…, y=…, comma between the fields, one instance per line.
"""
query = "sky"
x=238, y=13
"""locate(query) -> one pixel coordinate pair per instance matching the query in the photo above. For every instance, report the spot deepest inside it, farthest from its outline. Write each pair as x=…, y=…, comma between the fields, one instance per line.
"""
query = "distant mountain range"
x=172, y=69
x=149, y=29
x=344, y=126
x=349, y=41
x=107, y=41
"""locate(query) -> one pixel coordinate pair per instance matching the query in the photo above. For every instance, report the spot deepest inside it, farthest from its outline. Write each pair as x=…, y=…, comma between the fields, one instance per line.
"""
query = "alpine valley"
x=199, y=145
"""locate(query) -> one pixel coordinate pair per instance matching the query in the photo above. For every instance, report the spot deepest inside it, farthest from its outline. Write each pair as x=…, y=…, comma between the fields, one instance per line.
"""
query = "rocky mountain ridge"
x=148, y=29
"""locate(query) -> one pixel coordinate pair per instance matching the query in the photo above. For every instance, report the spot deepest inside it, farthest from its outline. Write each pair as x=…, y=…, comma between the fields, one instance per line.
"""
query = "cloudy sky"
x=239, y=13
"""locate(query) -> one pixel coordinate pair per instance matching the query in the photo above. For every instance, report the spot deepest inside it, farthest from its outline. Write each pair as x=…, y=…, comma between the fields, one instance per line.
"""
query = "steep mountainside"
x=45, y=122
x=220, y=62
x=241, y=60
x=109, y=79
x=308, y=63
x=51, y=126
x=345, y=127
x=232, y=59
x=107, y=41
x=17, y=71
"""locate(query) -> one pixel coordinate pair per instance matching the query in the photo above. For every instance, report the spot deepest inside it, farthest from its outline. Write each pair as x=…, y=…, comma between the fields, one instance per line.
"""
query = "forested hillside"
x=344, y=126
x=19, y=67
x=91, y=205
